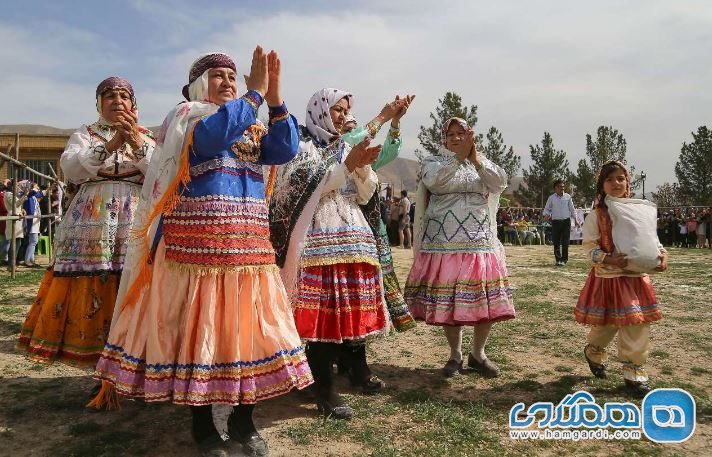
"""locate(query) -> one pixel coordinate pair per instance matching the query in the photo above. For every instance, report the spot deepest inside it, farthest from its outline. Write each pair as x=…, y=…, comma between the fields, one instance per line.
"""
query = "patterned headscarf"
x=197, y=87
x=111, y=83
x=446, y=127
x=606, y=169
x=318, y=117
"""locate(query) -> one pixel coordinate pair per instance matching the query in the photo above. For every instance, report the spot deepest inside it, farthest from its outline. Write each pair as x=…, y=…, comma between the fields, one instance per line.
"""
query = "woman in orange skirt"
x=69, y=320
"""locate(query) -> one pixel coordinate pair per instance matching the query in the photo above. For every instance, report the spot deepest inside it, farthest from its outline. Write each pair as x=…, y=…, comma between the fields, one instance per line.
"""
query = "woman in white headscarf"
x=69, y=320
x=202, y=316
x=324, y=244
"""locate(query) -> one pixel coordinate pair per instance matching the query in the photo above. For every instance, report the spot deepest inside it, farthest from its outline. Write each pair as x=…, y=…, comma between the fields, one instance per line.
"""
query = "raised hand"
x=127, y=126
x=361, y=155
x=273, y=97
x=258, y=79
x=388, y=111
x=403, y=105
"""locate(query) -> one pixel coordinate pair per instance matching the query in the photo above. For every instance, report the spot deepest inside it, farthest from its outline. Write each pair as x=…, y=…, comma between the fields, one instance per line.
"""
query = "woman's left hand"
x=663, y=262
x=273, y=97
x=403, y=105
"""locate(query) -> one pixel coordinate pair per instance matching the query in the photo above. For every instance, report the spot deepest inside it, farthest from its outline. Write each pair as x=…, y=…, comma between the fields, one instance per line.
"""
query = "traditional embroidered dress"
x=203, y=317
x=459, y=275
x=615, y=301
x=70, y=318
x=395, y=303
x=324, y=244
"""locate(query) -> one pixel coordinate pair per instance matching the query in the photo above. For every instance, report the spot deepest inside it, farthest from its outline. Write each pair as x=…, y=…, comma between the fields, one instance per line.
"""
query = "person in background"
x=15, y=229
x=560, y=210
x=405, y=238
x=4, y=242
x=32, y=226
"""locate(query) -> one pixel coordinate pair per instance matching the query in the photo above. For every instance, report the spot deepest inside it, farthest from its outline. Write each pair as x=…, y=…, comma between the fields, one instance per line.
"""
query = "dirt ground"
x=419, y=413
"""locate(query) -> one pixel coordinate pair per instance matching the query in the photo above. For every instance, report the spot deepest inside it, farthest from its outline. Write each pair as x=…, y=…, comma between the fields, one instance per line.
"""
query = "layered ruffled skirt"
x=459, y=289
x=621, y=301
x=339, y=303
x=199, y=339
x=70, y=318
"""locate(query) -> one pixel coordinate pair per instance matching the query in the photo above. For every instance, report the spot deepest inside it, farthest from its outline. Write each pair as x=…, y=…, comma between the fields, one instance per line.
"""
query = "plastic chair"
x=44, y=246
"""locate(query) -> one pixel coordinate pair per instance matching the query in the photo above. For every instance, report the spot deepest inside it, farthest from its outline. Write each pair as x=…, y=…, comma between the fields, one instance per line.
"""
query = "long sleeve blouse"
x=461, y=213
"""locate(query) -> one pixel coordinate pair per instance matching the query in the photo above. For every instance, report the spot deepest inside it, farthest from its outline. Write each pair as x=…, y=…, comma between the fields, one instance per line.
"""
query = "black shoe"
x=252, y=444
x=328, y=409
x=598, y=369
x=452, y=368
x=486, y=368
x=638, y=389
x=372, y=385
x=213, y=446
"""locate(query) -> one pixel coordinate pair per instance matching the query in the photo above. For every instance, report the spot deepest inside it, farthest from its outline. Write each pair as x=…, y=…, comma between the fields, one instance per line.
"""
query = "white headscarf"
x=198, y=89
x=318, y=117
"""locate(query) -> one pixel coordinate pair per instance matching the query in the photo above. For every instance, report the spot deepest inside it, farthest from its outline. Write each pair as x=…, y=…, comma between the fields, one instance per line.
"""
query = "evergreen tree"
x=449, y=106
x=499, y=153
x=548, y=165
x=608, y=145
x=694, y=168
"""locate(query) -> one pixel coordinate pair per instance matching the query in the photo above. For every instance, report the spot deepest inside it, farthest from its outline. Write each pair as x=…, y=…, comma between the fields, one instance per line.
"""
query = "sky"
x=565, y=67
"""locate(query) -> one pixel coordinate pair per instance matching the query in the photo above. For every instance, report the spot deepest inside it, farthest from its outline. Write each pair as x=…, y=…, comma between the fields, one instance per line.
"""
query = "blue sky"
x=560, y=66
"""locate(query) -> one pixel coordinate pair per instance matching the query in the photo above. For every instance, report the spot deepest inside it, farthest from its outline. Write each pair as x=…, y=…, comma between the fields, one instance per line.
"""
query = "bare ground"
x=420, y=412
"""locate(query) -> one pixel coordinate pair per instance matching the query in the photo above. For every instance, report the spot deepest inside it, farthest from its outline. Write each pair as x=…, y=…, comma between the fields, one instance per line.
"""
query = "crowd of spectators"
x=30, y=201
x=685, y=227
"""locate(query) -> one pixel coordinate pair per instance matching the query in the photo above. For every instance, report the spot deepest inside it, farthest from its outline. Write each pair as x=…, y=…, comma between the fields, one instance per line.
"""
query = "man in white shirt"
x=404, y=236
x=560, y=210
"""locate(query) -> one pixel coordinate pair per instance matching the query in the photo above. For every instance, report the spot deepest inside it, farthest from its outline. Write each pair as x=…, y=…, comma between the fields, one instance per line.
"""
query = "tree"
x=548, y=165
x=499, y=153
x=449, y=106
x=694, y=168
x=668, y=195
x=609, y=145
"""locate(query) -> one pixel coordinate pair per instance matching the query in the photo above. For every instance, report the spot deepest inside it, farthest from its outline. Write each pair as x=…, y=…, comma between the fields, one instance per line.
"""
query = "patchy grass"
x=420, y=413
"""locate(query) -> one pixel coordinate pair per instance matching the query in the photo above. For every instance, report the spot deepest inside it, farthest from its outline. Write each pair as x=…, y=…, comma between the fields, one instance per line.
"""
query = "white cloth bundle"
x=634, y=227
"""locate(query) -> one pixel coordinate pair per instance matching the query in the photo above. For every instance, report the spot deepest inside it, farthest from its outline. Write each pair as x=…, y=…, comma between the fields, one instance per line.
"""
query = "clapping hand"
x=273, y=97
x=361, y=155
x=127, y=126
x=403, y=104
x=258, y=79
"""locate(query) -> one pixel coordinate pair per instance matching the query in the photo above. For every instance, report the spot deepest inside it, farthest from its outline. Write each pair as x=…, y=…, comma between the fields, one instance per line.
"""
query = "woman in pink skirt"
x=459, y=276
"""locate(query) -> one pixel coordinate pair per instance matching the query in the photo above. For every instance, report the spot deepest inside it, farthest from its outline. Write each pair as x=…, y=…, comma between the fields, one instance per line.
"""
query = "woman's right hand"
x=258, y=79
x=362, y=155
x=617, y=259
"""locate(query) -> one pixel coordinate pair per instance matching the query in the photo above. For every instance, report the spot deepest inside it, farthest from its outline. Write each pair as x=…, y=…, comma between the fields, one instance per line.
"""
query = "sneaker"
x=638, y=389
x=486, y=368
x=452, y=368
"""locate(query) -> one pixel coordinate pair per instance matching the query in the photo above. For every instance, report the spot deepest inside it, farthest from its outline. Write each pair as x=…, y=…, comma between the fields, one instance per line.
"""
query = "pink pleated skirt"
x=459, y=289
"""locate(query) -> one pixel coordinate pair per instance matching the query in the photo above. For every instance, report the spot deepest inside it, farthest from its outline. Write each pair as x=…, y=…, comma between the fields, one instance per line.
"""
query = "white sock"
x=479, y=340
x=453, y=333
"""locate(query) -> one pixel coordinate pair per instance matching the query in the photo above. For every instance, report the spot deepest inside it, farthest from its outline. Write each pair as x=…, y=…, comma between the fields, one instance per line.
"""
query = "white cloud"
x=559, y=66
